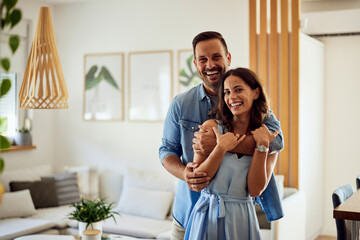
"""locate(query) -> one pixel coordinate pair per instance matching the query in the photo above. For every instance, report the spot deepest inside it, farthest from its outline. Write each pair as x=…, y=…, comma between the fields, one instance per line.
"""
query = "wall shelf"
x=18, y=148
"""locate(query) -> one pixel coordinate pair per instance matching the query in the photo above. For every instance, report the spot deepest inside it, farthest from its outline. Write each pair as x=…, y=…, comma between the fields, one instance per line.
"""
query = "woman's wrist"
x=265, y=143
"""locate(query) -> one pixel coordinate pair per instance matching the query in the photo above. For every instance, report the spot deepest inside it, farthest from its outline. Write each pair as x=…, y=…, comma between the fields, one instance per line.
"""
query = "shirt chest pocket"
x=189, y=126
x=188, y=129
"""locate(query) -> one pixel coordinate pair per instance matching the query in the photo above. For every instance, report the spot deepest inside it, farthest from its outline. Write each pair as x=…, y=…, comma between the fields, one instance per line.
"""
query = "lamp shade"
x=43, y=86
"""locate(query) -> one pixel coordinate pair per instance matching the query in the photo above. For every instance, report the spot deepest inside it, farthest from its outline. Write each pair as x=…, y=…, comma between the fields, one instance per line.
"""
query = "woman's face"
x=238, y=96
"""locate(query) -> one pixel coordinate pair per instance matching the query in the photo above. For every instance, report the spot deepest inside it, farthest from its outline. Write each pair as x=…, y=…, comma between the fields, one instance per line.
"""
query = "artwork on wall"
x=150, y=85
x=104, y=86
x=188, y=76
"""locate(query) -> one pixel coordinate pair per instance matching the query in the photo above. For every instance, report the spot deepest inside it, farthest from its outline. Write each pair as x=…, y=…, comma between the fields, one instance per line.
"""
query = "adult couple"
x=226, y=168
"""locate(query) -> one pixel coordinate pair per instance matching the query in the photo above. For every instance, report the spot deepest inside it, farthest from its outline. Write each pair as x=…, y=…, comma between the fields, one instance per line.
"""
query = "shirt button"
x=192, y=128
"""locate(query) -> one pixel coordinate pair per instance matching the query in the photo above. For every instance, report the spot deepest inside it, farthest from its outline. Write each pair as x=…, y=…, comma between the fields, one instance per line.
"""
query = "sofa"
x=148, y=216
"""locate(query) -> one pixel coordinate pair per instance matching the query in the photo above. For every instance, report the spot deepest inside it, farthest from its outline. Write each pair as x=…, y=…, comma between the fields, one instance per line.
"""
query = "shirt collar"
x=202, y=92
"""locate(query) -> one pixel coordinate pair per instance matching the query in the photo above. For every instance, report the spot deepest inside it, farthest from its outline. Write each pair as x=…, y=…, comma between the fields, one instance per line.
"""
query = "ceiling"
x=306, y=5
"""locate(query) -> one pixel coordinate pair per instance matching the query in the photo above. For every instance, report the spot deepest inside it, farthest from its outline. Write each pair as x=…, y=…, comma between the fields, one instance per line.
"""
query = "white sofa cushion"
x=280, y=184
x=134, y=226
x=56, y=215
x=146, y=193
x=28, y=174
x=145, y=202
x=15, y=227
x=17, y=204
x=149, y=180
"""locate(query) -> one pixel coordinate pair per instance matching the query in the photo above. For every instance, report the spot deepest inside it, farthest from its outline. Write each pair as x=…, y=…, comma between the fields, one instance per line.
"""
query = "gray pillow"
x=66, y=188
x=43, y=193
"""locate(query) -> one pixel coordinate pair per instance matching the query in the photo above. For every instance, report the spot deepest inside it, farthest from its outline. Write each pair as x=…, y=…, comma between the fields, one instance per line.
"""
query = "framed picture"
x=150, y=85
x=104, y=87
x=188, y=76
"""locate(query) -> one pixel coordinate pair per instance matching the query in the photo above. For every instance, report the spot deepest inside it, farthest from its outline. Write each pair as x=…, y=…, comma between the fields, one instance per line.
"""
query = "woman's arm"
x=262, y=164
x=224, y=143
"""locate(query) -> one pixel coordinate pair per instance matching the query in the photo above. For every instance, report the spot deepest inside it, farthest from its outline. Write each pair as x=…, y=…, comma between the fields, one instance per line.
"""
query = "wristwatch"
x=261, y=148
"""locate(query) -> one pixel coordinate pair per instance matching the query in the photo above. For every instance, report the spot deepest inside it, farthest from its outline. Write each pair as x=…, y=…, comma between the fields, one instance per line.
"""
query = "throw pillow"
x=145, y=202
x=17, y=204
x=150, y=180
x=43, y=193
x=27, y=174
x=88, y=180
x=67, y=190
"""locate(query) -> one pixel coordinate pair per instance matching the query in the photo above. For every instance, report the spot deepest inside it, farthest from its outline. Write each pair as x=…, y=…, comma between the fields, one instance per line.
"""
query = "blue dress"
x=225, y=210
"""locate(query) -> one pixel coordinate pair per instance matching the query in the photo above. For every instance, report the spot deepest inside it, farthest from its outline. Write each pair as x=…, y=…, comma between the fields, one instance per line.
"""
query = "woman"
x=225, y=208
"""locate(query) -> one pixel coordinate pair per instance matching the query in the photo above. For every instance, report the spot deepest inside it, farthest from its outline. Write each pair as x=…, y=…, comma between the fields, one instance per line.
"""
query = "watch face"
x=261, y=148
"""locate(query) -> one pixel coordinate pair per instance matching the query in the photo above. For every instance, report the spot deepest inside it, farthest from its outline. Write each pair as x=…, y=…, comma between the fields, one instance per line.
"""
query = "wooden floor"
x=325, y=238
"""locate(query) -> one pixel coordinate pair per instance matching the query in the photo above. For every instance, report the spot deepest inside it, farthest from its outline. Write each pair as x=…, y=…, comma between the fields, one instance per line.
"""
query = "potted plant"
x=91, y=213
x=23, y=137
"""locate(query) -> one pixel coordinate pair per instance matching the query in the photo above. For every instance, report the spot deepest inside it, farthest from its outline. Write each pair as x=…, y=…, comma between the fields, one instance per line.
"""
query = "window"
x=8, y=107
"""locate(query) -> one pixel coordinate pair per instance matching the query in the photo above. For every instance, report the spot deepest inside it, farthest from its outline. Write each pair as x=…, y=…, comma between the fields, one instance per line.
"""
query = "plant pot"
x=95, y=225
x=23, y=139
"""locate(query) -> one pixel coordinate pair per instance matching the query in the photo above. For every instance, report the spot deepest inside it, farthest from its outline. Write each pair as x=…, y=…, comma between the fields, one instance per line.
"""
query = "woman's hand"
x=228, y=140
x=263, y=136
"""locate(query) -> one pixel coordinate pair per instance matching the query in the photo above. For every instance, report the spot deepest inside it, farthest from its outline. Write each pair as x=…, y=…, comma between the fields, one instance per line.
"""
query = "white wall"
x=311, y=131
x=42, y=120
x=342, y=99
x=124, y=26
x=342, y=163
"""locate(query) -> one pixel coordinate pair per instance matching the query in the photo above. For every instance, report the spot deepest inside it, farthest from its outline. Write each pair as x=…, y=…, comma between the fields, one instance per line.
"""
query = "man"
x=189, y=110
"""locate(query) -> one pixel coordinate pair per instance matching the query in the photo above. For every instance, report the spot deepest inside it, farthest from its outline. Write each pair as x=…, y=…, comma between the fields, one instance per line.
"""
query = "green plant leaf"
x=14, y=42
x=5, y=64
x=9, y=3
x=15, y=17
x=3, y=125
x=183, y=73
x=189, y=62
x=107, y=76
x=2, y=165
x=90, y=80
x=4, y=143
x=5, y=87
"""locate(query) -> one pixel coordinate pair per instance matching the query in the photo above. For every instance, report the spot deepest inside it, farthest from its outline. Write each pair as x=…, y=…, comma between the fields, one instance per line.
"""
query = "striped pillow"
x=66, y=187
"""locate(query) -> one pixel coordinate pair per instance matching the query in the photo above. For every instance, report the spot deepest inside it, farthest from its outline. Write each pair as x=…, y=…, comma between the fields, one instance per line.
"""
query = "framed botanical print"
x=150, y=85
x=104, y=87
x=187, y=76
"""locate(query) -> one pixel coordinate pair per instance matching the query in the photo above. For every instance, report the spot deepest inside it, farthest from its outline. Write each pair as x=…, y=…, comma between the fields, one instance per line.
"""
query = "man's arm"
x=171, y=150
x=205, y=141
x=196, y=181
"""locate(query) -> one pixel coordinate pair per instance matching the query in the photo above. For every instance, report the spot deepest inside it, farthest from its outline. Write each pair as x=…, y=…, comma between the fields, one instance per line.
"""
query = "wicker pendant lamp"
x=43, y=86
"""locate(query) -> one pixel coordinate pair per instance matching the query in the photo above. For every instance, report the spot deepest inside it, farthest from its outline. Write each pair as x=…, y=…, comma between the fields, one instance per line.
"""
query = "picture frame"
x=187, y=73
x=150, y=85
x=103, y=87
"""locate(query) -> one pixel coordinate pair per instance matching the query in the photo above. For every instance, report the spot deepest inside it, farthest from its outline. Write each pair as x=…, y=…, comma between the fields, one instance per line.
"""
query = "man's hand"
x=204, y=141
x=196, y=181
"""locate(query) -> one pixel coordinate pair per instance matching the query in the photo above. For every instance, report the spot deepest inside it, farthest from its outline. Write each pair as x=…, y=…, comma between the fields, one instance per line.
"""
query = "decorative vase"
x=23, y=139
x=95, y=225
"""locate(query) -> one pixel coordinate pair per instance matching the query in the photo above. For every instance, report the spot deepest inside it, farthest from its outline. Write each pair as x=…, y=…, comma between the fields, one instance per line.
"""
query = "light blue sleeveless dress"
x=225, y=210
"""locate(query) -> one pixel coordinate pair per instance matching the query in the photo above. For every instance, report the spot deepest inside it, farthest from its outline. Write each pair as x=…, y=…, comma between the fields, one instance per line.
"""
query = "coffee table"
x=66, y=237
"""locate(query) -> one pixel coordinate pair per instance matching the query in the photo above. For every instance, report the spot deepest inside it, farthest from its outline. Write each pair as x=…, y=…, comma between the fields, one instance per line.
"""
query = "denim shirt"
x=186, y=112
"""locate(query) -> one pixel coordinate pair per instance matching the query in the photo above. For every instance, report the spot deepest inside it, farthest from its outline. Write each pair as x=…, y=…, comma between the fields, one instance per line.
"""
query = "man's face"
x=211, y=62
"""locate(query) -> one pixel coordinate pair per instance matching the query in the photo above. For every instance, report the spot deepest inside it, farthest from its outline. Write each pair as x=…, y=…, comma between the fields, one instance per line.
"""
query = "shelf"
x=18, y=148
